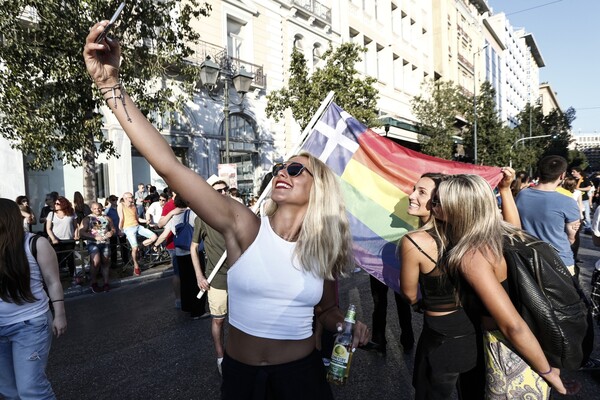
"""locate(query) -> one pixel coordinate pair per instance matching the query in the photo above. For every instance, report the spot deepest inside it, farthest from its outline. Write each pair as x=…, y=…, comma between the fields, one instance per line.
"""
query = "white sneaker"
x=219, y=362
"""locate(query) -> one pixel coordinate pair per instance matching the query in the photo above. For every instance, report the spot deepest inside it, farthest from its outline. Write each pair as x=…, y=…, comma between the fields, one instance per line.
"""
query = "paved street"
x=131, y=343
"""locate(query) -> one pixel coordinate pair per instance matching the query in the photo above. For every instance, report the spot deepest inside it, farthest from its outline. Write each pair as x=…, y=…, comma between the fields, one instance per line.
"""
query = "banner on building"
x=228, y=174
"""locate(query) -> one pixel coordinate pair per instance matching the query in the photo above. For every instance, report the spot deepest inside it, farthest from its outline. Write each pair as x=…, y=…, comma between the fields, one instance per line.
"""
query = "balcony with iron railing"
x=314, y=8
x=219, y=55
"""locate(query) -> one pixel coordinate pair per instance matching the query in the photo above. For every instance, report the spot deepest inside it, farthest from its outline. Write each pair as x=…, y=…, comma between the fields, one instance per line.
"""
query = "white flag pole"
x=309, y=128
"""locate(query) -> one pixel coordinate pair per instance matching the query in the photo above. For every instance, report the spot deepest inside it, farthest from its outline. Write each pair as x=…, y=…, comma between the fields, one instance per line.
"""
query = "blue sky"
x=567, y=33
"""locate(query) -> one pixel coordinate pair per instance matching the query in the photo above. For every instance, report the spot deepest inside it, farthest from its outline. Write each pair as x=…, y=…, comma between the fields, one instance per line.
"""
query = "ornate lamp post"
x=210, y=72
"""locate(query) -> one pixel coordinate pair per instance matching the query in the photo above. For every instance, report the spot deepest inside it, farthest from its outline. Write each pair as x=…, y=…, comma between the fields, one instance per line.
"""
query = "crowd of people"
x=461, y=240
x=279, y=272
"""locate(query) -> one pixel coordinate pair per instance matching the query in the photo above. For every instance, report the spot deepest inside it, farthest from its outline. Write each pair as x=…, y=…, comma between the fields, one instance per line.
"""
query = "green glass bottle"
x=341, y=356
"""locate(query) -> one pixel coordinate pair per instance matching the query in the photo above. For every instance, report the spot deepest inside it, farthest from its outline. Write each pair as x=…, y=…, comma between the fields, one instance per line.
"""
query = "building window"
x=172, y=121
x=380, y=62
x=298, y=42
x=240, y=129
x=235, y=37
x=317, y=54
x=398, y=72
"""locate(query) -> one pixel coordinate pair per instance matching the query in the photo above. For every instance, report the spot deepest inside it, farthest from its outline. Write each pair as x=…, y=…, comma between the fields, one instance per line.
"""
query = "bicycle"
x=154, y=255
x=147, y=256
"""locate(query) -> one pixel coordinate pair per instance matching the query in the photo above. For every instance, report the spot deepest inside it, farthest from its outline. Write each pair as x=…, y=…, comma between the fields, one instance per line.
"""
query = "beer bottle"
x=341, y=356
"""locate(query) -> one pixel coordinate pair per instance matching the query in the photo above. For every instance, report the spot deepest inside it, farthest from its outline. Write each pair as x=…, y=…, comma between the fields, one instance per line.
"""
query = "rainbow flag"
x=377, y=175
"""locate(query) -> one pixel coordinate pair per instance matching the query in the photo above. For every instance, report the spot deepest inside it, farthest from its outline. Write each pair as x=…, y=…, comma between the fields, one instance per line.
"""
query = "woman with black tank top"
x=471, y=234
x=447, y=346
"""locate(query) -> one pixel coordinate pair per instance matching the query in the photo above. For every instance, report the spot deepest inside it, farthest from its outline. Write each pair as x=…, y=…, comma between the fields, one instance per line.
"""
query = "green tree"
x=559, y=124
x=493, y=138
x=305, y=92
x=532, y=122
x=437, y=110
x=48, y=107
x=527, y=152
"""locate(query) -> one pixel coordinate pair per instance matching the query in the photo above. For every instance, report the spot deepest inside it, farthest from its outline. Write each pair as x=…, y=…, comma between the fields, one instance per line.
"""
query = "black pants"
x=189, y=286
x=297, y=380
x=379, y=293
x=120, y=244
x=447, y=347
x=65, y=254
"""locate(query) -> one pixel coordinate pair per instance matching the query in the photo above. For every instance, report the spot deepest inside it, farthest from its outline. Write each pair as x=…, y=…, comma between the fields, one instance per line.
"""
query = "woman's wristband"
x=545, y=373
x=56, y=301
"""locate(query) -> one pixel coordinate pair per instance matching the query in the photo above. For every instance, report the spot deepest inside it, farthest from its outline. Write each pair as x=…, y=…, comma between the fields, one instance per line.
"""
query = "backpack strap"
x=33, y=245
x=420, y=249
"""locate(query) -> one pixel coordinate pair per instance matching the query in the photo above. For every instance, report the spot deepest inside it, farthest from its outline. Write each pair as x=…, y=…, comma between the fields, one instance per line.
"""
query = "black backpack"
x=550, y=300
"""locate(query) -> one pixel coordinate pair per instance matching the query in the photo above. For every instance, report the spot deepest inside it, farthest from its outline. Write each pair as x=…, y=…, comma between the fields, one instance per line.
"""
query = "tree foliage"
x=532, y=122
x=48, y=107
x=559, y=125
x=526, y=152
x=443, y=103
x=306, y=91
x=494, y=139
x=437, y=110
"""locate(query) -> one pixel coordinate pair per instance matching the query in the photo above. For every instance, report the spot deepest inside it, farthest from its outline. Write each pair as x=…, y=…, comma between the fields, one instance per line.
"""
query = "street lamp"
x=209, y=75
x=521, y=140
x=475, y=104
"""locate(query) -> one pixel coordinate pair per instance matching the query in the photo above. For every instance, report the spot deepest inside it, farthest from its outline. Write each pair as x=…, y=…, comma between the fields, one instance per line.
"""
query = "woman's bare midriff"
x=254, y=350
x=438, y=313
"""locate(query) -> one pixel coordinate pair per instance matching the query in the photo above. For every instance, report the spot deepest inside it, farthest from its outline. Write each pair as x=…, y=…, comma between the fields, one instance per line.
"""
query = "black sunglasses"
x=293, y=168
x=435, y=202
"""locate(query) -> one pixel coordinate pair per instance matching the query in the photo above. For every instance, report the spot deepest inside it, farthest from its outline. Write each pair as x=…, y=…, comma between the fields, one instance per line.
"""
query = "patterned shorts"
x=508, y=376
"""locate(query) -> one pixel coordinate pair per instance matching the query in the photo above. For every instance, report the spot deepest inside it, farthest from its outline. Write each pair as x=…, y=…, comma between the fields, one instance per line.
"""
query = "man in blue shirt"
x=549, y=215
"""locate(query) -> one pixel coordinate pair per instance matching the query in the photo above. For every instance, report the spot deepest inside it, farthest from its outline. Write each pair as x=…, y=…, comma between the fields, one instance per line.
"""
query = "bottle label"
x=339, y=361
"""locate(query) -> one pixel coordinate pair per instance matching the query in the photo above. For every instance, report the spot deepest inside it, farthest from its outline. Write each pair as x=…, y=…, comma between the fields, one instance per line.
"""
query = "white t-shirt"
x=155, y=212
x=63, y=228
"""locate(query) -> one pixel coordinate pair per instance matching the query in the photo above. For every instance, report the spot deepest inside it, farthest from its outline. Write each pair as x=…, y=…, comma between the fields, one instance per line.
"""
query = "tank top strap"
x=420, y=249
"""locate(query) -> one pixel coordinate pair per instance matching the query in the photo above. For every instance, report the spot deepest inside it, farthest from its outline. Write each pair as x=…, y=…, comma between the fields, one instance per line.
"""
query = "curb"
x=148, y=275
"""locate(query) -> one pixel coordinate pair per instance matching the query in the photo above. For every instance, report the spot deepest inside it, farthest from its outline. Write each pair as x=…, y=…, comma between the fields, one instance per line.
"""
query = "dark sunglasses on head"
x=293, y=168
x=435, y=202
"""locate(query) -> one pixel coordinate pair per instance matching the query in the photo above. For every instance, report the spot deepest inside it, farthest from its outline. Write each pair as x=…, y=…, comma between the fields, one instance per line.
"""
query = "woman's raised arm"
x=510, y=213
x=229, y=217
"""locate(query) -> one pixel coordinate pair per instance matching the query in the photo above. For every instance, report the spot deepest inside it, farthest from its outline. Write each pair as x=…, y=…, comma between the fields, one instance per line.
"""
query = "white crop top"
x=270, y=296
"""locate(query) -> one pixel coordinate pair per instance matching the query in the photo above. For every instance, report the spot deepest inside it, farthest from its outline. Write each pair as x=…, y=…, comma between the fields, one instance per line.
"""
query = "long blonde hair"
x=469, y=220
x=324, y=244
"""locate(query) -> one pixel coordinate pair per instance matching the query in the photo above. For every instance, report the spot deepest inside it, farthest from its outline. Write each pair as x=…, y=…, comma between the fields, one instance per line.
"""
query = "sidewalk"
x=118, y=278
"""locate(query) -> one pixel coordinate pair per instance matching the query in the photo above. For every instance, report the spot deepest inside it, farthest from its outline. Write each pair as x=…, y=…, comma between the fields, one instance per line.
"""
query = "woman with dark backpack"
x=472, y=236
x=181, y=225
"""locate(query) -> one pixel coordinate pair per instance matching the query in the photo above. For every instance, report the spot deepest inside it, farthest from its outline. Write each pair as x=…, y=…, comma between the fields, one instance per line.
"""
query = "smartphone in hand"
x=112, y=21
